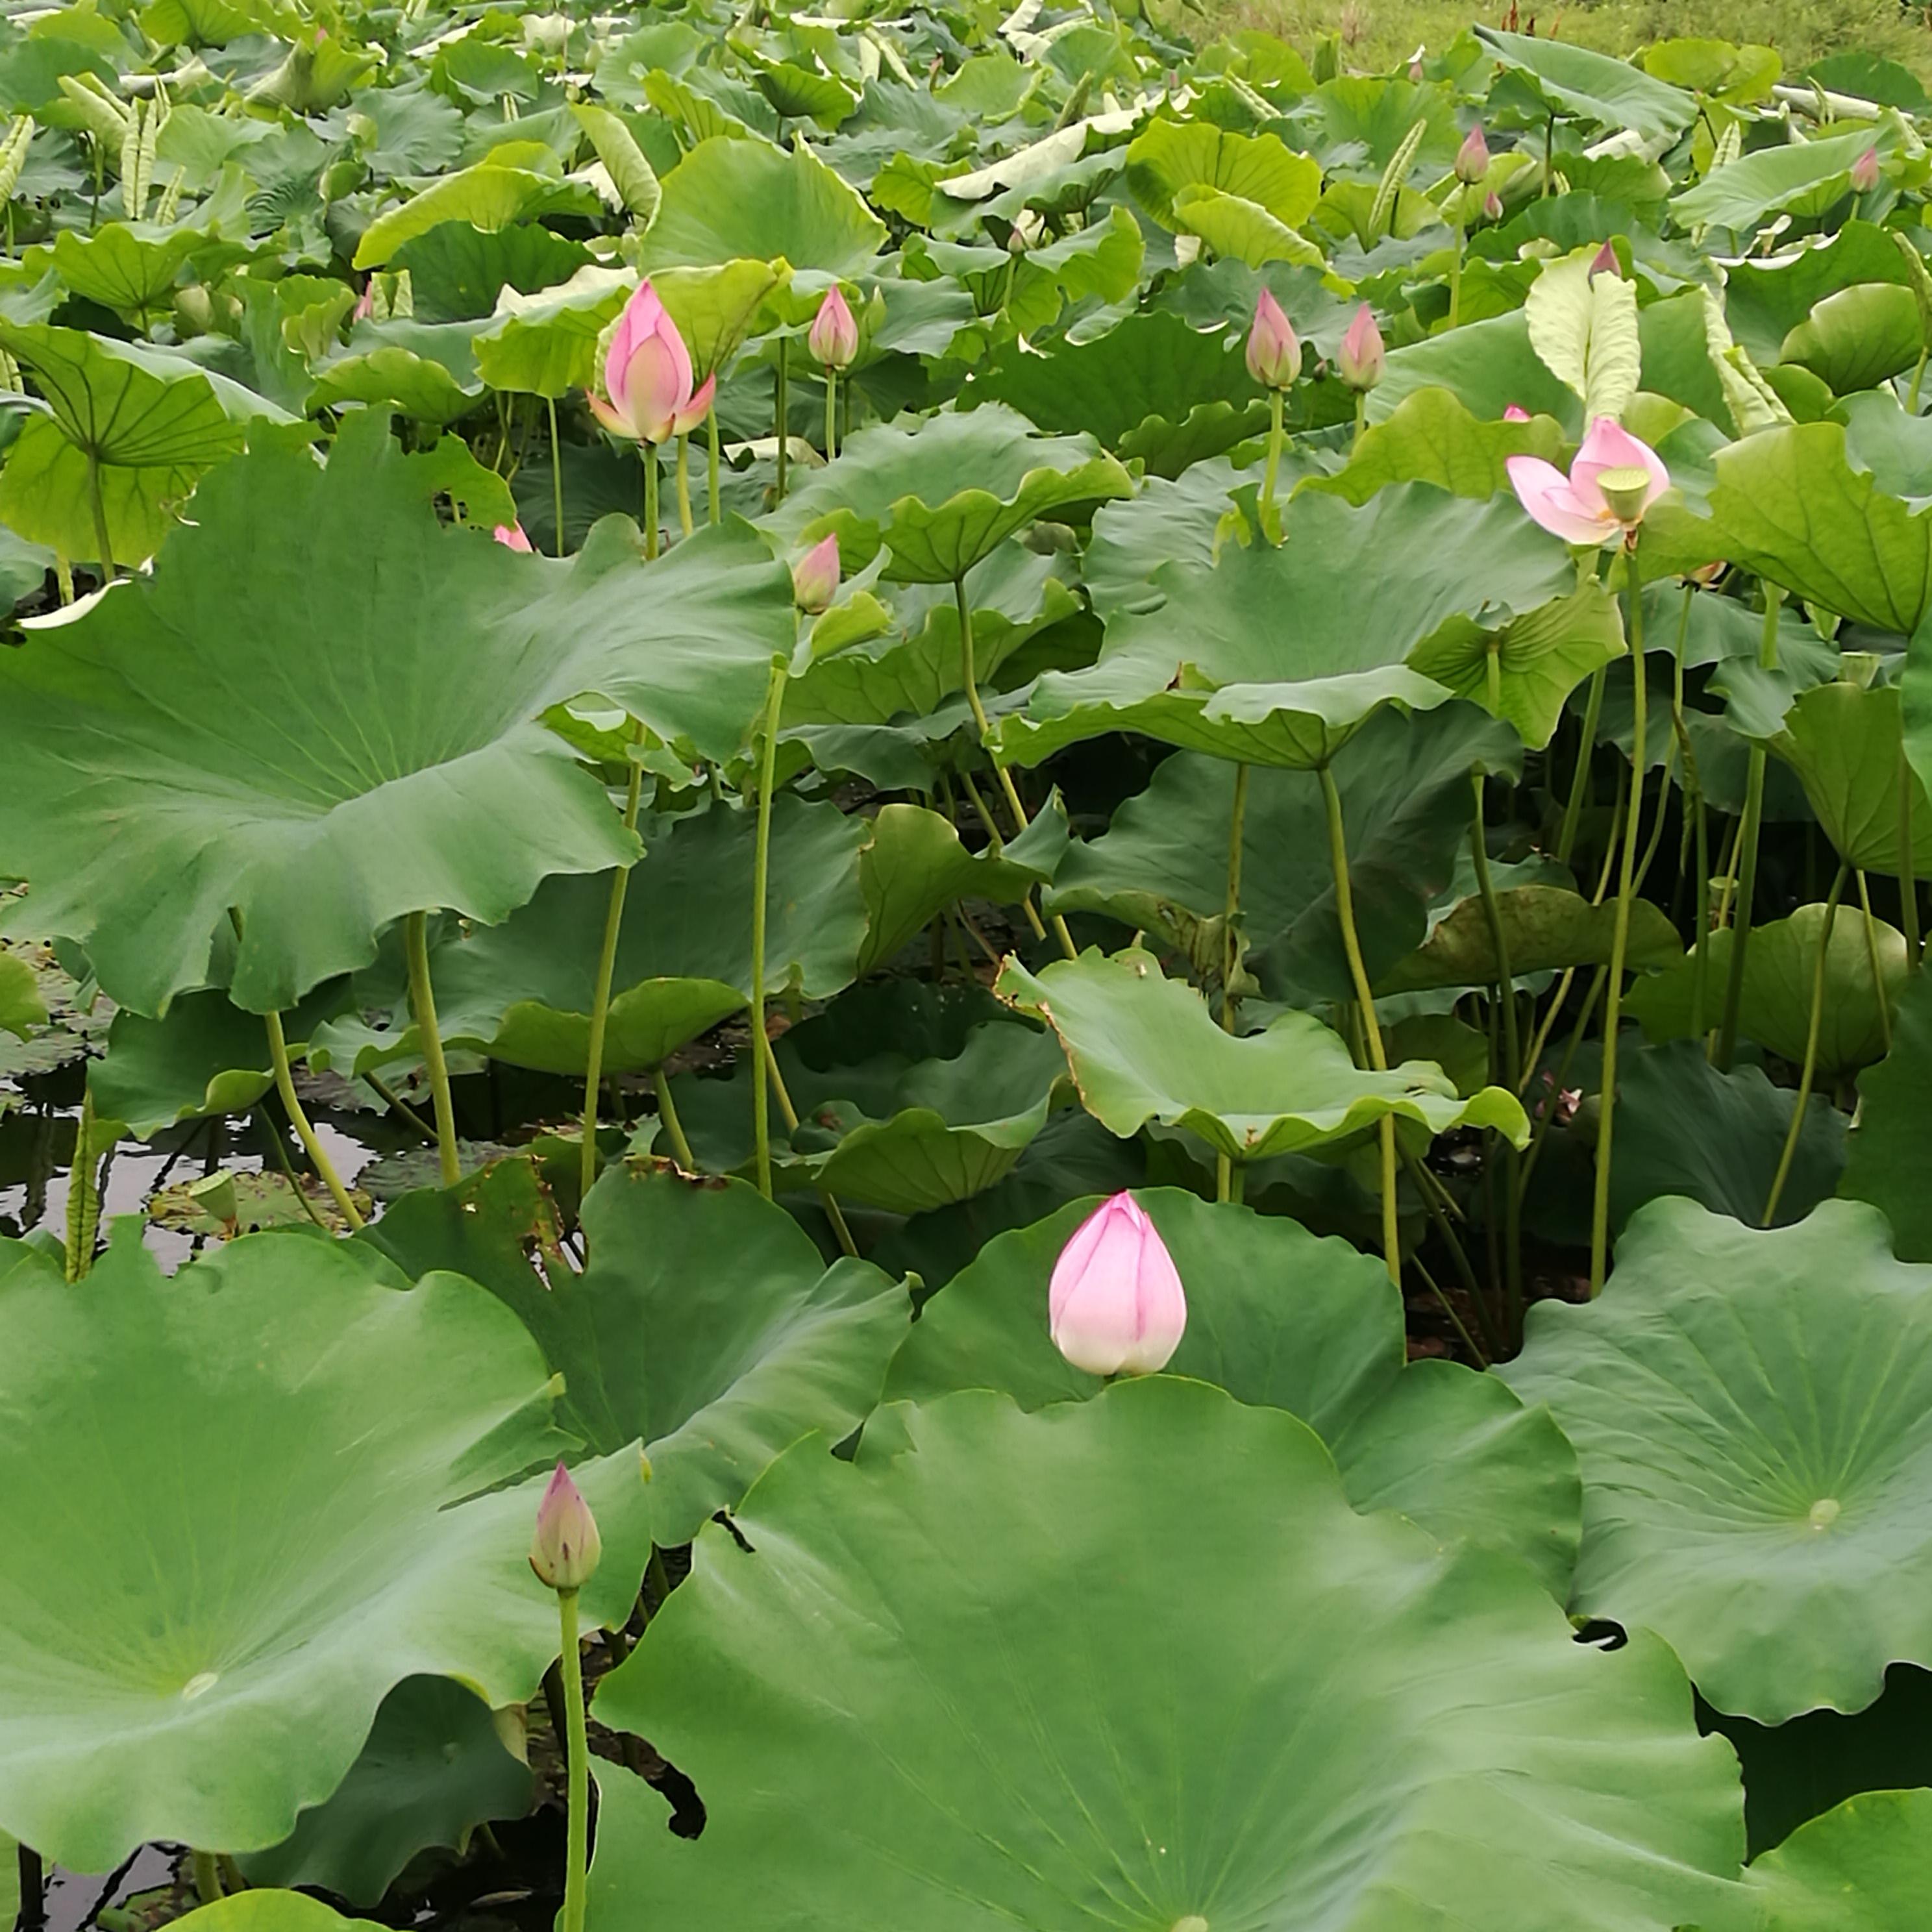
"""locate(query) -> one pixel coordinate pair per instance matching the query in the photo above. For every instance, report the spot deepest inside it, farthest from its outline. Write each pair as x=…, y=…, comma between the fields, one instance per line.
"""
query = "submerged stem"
x=674, y=1128
x=83, y=1193
x=1810, y=1066
x=831, y=414
x=422, y=1010
x=1580, y=782
x=285, y=1086
x=761, y=1047
x=649, y=451
x=606, y=968
x=1275, y=403
x=576, y=1762
x=711, y=465
x=1351, y=945
x=684, y=522
x=1748, y=843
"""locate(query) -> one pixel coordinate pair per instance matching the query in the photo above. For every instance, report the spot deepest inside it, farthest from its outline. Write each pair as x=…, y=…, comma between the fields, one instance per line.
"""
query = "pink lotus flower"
x=1115, y=1305
x=512, y=537
x=564, y=1549
x=814, y=577
x=1274, y=350
x=1864, y=171
x=1360, y=360
x=1604, y=263
x=647, y=376
x=1516, y=412
x=365, y=303
x=1472, y=157
x=1614, y=480
x=833, y=340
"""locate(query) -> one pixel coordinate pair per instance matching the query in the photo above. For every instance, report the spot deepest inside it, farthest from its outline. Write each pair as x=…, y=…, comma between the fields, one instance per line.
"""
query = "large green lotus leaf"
x=458, y=272
x=1430, y=437
x=326, y=769
x=945, y=492
x=269, y=1911
x=1859, y=338
x=909, y=1099
x=488, y=196
x=1264, y=616
x=1780, y=965
x=1740, y=194
x=1161, y=866
x=1152, y=386
x=1890, y=1145
x=1278, y=1316
x=1143, y=1048
x=1613, y=93
x=1102, y=260
x=1168, y=157
x=432, y=1770
x=1863, y=1867
x=1754, y=1411
x=1847, y=745
x=1765, y=301
x=154, y=435
x=1788, y=505
x=1547, y=928
x=128, y=267
x=522, y=991
x=545, y=344
x=392, y=376
x=911, y=868
x=980, y=1638
x=1234, y=228
x=1540, y=659
x=705, y=1323
x=730, y=200
x=280, y=1502
x=715, y=306
x=206, y=1057
x=1685, y=1128
x=1487, y=365
x=21, y=1007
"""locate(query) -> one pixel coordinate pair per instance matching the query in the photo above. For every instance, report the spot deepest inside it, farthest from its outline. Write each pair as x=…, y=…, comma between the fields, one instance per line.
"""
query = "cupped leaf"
x=900, y=487
x=731, y=200
x=705, y=1323
x=1859, y=336
x=1890, y=1144
x=1431, y=437
x=488, y=196
x=1805, y=176
x=989, y=1597
x=1862, y=1867
x=1168, y=157
x=327, y=770
x=281, y=1505
x=545, y=344
x=1847, y=745
x=1547, y=928
x=1754, y=1411
x=1467, y=1461
x=1780, y=964
x=1143, y=1048
x=433, y=1768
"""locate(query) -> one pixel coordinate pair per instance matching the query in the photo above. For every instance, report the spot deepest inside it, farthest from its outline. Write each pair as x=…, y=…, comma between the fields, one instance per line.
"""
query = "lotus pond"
x=960, y=969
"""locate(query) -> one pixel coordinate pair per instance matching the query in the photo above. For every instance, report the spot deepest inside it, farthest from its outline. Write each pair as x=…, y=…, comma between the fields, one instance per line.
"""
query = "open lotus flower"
x=1274, y=350
x=565, y=1546
x=647, y=376
x=512, y=537
x=1360, y=361
x=1614, y=480
x=814, y=577
x=833, y=338
x=1115, y=1305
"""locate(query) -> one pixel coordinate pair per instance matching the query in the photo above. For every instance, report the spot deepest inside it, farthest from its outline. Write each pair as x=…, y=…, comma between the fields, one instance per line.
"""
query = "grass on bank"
x=1377, y=34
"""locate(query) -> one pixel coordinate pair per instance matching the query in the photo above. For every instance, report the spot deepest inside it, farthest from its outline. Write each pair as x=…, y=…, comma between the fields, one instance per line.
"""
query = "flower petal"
x=1610, y=446
x=1545, y=492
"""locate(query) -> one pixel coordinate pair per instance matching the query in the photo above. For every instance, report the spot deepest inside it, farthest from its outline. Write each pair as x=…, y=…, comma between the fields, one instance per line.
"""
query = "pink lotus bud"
x=1274, y=351
x=1360, y=360
x=1115, y=1305
x=512, y=537
x=1604, y=263
x=1864, y=171
x=1472, y=157
x=834, y=337
x=564, y=1549
x=1516, y=412
x=365, y=303
x=1615, y=479
x=1493, y=205
x=814, y=577
x=647, y=376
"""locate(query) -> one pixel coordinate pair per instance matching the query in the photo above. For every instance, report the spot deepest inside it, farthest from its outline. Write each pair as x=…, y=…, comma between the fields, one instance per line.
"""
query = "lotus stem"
x=1512, y=1056
x=1580, y=782
x=648, y=451
x=1268, y=475
x=1908, y=884
x=1811, y=1067
x=1361, y=419
x=1456, y=274
x=827, y=1198
x=422, y=1010
x=98, y=504
x=761, y=1047
x=1747, y=842
x=684, y=525
x=555, y=472
x=1351, y=945
x=207, y=1876
x=711, y=465
x=1613, y=988
x=606, y=968
x=577, y=1834
x=1918, y=379
x=781, y=409
x=292, y=1105
x=83, y=1193
x=831, y=414
x=1231, y=950
x=1871, y=953
x=674, y=1128
x=63, y=579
